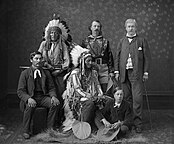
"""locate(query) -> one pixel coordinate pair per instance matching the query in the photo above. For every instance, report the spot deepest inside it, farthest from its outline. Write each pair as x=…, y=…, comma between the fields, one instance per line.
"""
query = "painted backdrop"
x=27, y=20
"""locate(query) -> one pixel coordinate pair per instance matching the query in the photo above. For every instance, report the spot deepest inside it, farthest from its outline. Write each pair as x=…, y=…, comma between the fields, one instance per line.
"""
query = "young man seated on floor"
x=116, y=113
x=36, y=88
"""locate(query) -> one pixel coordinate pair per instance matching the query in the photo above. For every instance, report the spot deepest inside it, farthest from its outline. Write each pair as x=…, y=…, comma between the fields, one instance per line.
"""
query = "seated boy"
x=117, y=112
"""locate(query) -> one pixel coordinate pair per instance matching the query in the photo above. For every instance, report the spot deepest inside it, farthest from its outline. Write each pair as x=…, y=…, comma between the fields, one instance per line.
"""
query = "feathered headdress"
x=60, y=25
x=78, y=54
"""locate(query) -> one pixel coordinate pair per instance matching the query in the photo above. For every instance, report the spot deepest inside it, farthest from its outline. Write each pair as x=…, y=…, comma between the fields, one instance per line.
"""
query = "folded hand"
x=56, y=72
x=117, y=125
x=106, y=123
x=54, y=101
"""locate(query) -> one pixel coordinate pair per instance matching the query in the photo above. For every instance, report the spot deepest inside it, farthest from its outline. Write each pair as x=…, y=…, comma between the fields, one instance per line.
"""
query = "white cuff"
x=145, y=73
x=116, y=72
x=103, y=119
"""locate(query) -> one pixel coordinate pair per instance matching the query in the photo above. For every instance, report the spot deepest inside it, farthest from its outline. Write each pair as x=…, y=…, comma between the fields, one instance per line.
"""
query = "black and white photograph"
x=87, y=71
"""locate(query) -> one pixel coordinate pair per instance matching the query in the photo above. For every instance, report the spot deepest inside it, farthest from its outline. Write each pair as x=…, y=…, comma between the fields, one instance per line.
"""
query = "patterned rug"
x=162, y=132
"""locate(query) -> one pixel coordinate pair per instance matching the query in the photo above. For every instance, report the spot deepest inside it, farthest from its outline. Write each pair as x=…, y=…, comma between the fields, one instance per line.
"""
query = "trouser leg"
x=127, y=88
x=27, y=116
x=97, y=120
x=123, y=130
x=137, y=92
x=133, y=89
x=88, y=111
x=60, y=88
x=46, y=102
x=51, y=116
x=133, y=94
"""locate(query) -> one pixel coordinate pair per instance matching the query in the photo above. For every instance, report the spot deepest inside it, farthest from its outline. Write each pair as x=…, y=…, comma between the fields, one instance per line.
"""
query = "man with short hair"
x=101, y=53
x=132, y=60
x=36, y=88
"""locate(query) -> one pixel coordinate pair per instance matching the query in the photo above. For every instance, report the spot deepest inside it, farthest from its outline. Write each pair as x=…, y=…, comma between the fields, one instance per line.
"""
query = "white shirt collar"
x=117, y=105
x=91, y=36
x=131, y=36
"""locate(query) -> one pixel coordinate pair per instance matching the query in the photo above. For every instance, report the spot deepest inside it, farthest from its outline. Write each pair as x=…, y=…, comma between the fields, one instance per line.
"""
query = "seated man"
x=116, y=113
x=36, y=88
x=82, y=89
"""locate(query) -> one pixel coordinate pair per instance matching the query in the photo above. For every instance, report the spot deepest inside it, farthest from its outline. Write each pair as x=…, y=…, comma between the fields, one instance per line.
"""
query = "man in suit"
x=132, y=59
x=36, y=88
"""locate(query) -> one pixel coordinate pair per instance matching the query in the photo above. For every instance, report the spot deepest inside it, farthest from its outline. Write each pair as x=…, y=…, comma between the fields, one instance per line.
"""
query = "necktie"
x=37, y=72
x=131, y=37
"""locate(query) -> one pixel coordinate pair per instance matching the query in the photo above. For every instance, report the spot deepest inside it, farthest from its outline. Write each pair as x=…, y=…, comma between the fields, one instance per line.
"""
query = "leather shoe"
x=138, y=130
x=26, y=135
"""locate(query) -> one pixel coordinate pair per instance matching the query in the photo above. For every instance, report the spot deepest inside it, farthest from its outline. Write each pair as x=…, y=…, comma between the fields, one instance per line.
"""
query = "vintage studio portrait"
x=87, y=71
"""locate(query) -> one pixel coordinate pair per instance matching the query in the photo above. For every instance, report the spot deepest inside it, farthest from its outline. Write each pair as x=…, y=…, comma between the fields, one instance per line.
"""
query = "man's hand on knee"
x=31, y=102
x=54, y=101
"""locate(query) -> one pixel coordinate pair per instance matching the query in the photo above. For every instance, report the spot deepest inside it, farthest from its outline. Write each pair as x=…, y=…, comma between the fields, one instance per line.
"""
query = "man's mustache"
x=39, y=63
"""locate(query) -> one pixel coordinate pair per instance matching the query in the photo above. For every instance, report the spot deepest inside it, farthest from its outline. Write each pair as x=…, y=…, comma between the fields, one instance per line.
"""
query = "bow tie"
x=116, y=105
x=37, y=71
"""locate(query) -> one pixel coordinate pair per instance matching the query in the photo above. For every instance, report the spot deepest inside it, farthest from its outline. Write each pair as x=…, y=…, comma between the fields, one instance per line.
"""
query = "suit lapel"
x=31, y=82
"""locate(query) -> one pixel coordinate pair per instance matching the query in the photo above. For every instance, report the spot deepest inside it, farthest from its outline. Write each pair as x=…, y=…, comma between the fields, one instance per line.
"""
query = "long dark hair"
x=90, y=32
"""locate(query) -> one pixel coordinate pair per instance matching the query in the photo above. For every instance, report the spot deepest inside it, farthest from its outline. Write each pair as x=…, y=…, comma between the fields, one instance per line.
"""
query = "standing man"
x=55, y=52
x=101, y=53
x=132, y=61
x=36, y=88
x=56, y=56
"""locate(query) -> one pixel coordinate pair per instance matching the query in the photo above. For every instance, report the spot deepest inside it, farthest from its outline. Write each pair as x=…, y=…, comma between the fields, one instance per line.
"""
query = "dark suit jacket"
x=112, y=115
x=140, y=55
x=26, y=85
